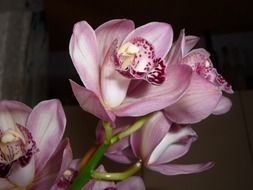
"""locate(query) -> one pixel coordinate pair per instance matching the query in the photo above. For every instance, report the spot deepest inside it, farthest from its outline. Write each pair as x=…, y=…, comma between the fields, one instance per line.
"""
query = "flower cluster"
x=147, y=91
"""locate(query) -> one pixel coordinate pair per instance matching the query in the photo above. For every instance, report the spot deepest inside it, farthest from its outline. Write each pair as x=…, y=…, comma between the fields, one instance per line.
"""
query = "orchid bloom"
x=31, y=155
x=157, y=143
x=130, y=183
x=124, y=69
x=204, y=95
x=160, y=141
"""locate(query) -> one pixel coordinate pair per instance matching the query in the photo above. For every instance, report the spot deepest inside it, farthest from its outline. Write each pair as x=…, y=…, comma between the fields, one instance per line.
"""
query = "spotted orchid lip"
x=137, y=59
x=15, y=146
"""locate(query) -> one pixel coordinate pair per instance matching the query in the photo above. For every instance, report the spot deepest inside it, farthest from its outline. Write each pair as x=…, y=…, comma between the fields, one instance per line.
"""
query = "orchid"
x=160, y=141
x=124, y=69
x=204, y=94
x=31, y=154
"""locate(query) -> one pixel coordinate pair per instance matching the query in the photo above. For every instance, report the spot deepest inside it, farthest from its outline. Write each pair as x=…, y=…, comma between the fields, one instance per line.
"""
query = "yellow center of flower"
x=128, y=51
x=67, y=173
x=11, y=136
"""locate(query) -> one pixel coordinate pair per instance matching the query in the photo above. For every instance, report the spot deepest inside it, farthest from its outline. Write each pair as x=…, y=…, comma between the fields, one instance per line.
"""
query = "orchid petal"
x=146, y=98
x=22, y=176
x=59, y=161
x=223, y=106
x=124, y=156
x=113, y=84
x=12, y=113
x=159, y=34
x=176, y=52
x=47, y=124
x=190, y=42
x=110, y=31
x=177, y=169
x=170, y=148
x=198, y=102
x=90, y=102
x=154, y=129
x=83, y=51
x=131, y=183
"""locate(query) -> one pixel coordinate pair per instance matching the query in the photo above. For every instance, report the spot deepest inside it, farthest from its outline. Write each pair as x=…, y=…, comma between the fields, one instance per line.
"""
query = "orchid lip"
x=15, y=145
x=137, y=59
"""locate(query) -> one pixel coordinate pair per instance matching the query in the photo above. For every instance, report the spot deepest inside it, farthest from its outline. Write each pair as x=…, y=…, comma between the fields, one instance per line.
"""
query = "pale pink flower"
x=31, y=155
x=204, y=94
x=124, y=69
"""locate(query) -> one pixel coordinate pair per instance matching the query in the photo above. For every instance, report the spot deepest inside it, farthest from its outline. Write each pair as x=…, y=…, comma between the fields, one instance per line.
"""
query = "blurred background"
x=35, y=65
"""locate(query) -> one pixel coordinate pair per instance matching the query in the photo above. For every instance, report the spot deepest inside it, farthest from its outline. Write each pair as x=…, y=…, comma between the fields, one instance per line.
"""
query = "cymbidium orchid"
x=204, y=95
x=156, y=144
x=160, y=142
x=124, y=69
x=31, y=155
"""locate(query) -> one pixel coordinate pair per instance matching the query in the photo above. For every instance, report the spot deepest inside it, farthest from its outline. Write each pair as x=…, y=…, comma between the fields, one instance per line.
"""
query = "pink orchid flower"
x=204, y=95
x=31, y=155
x=157, y=144
x=160, y=141
x=133, y=182
x=124, y=69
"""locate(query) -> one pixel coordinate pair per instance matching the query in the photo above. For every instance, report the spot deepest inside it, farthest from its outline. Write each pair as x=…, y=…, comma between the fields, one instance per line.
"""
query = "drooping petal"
x=146, y=98
x=110, y=31
x=198, y=102
x=177, y=169
x=90, y=102
x=55, y=167
x=131, y=183
x=47, y=124
x=173, y=146
x=12, y=113
x=113, y=84
x=22, y=176
x=154, y=130
x=159, y=34
x=83, y=51
x=223, y=106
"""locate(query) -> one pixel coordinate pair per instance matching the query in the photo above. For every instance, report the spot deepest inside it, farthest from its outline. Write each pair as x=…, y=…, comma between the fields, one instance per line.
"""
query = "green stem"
x=85, y=173
x=117, y=175
x=137, y=125
x=108, y=131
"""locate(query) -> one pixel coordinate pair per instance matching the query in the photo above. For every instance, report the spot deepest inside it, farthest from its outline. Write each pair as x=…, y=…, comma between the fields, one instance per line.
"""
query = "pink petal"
x=55, y=167
x=12, y=113
x=149, y=136
x=190, y=42
x=83, y=51
x=22, y=176
x=5, y=184
x=223, y=106
x=47, y=124
x=176, y=52
x=171, y=147
x=178, y=169
x=131, y=183
x=159, y=34
x=90, y=102
x=113, y=84
x=198, y=102
x=124, y=156
x=146, y=98
x=110, y=31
